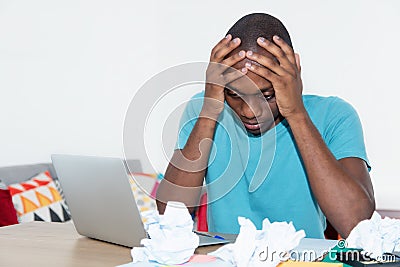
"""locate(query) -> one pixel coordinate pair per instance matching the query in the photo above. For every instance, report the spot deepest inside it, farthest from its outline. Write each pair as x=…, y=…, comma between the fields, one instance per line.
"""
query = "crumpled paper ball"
x=376, y=236
x=266, y=247
x=172, y=240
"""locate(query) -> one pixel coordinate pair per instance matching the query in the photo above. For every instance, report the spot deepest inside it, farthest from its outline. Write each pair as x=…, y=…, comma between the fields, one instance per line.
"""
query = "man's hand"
x=185, y=174
x=220, y=73
x=283, y=73
x=334, y=183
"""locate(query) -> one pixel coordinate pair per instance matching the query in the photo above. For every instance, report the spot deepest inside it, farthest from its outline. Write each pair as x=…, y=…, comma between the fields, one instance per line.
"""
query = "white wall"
x=68, y=69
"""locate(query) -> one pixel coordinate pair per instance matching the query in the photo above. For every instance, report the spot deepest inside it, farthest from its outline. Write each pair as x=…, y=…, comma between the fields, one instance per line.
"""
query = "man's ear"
x=297, y=57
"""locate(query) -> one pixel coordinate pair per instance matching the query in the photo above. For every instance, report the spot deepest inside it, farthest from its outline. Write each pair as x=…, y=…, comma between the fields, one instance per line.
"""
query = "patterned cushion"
x=143, y=199
x=38, y=199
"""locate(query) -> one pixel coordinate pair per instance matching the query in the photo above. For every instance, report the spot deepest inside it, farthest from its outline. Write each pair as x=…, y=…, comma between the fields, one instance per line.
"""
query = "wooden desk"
x=58, y=244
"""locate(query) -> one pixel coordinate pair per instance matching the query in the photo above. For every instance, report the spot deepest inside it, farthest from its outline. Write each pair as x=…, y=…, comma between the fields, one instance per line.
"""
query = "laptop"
x=101, y=201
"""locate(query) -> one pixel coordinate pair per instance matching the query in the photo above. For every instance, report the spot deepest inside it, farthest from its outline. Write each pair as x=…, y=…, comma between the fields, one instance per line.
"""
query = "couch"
x=16, y=174
x=20, y=174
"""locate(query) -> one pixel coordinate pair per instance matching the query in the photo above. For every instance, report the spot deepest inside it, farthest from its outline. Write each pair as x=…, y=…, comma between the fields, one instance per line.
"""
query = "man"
x=264, y=149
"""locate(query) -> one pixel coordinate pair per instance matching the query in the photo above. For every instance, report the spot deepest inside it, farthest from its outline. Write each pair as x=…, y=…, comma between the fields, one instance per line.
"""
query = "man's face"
x=252, y=97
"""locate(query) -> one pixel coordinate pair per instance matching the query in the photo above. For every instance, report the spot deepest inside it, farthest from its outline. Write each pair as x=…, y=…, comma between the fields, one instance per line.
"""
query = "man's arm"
x=185, y=174
x=342, y=188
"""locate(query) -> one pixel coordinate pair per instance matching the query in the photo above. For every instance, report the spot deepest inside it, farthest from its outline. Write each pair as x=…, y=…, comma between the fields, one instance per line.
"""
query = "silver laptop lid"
x=100, y=198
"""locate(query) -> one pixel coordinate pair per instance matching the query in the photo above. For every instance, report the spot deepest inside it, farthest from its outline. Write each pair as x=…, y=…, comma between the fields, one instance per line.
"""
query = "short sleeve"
x=344, y=135
x=188, y=119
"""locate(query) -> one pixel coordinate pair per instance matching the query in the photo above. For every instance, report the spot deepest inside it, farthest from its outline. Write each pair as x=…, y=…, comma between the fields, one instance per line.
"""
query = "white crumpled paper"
x=172, y=240
x=266, y=247
x=376, y=236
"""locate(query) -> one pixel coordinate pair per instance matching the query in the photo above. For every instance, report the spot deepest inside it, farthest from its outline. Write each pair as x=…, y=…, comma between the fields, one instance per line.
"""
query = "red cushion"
x=202, y=214
x=8, y=215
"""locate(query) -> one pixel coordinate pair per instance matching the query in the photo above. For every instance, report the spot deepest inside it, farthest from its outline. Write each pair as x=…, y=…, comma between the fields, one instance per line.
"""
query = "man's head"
x=251, y=103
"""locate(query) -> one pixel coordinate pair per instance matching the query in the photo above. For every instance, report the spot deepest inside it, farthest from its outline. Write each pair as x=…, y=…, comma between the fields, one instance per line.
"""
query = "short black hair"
x=254, y=25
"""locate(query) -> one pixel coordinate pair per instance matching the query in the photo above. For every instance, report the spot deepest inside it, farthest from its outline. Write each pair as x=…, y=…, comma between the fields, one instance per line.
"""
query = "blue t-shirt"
x=263, y=176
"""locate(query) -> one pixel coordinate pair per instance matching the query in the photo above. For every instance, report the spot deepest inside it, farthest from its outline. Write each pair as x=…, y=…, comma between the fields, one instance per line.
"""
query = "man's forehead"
x=250, y=83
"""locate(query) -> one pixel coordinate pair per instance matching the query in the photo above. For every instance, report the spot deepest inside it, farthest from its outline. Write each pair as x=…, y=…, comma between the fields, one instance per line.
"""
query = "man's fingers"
x=297, y=56
x=286, y=48
x=223, y=42
x=276, y=51
x=233, y=74
x=223, y=48
x=267, y=62
x=232, y=60
x=263, y=72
